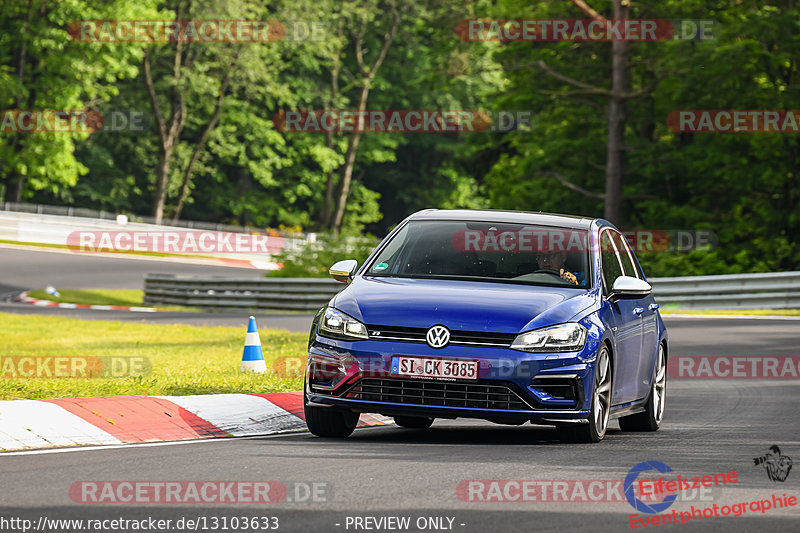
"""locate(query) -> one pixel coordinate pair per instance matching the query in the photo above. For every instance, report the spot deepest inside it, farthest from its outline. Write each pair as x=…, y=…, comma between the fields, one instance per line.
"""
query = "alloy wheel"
x=602, y=392
x=660, y=385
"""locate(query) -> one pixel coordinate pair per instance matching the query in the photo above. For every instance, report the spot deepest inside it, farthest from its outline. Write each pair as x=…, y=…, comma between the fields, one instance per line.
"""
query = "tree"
x=362, y=17
x=617, y=119
x=43, y=68
x=180, y=60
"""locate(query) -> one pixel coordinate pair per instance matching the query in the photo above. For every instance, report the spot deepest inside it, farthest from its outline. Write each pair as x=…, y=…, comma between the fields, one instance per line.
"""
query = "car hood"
x=464, y=305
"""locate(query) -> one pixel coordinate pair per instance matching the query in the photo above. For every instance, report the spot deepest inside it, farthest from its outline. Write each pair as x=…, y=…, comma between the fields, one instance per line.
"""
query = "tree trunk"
x=349, y=165
x=162, y=177
x=324, y=220
x=368, y=75
x=243, y=188
x=327, y=208
x=14, y=185
x=198, y=147
x=615, y=149
x=15, y=182
x=168, y=132
x=187, y=175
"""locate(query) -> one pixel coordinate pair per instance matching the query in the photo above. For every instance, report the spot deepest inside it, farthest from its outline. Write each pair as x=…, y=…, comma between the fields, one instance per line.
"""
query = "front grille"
x=464, y=338
x=438, y=394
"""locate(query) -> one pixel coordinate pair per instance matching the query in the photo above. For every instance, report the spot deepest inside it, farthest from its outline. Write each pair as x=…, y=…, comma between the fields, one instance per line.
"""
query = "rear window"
x=482, y=251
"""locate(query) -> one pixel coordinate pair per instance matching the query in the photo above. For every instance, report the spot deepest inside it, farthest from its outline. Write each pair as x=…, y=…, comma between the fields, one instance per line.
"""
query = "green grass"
x=123, y=297
x=34, y=244
x=753, y=312
x=184, y=359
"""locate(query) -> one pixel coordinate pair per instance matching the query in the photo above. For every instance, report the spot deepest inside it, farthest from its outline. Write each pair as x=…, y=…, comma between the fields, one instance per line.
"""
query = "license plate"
x=425, y=367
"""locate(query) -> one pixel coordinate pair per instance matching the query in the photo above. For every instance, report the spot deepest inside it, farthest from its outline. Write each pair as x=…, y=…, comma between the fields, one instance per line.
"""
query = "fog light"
x=327, y=373
x=556, y=387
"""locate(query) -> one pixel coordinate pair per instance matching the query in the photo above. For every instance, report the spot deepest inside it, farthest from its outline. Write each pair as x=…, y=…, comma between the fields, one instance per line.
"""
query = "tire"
x=413, y=422
x=595, y=430
x=650, y=419
x=329, y=421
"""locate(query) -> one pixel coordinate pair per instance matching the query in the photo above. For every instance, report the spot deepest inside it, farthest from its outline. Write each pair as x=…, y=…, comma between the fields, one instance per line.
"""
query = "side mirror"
x=629, y=287
x=343, y=270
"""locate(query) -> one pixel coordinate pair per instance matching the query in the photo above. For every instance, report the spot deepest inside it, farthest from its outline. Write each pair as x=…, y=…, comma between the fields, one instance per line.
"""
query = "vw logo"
x=438, y=337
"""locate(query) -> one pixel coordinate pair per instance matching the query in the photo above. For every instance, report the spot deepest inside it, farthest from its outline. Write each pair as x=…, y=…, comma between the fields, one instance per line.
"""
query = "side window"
x=628, y=264
x=610, y=264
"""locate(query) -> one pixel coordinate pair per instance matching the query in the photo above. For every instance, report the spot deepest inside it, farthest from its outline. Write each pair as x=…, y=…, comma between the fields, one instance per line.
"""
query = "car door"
x=649, y=308
x=625, y=318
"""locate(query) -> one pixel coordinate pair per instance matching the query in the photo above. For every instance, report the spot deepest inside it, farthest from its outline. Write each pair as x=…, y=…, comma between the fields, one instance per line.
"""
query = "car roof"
x=496, y=215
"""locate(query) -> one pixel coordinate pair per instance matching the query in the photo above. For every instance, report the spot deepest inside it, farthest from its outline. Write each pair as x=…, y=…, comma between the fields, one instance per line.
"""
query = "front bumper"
x=512, y=386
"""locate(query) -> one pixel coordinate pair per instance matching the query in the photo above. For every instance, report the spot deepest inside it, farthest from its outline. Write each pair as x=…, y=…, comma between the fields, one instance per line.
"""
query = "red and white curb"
x=251, y=263
x=192, y=260
x=29, y=424
x=25, y=299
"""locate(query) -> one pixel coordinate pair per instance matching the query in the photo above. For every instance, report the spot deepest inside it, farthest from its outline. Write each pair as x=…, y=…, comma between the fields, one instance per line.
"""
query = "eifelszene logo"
x=777, y=466
x=630, y=483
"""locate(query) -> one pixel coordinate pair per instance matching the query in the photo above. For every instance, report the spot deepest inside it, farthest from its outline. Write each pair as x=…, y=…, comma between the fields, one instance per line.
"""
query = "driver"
x=555, y=261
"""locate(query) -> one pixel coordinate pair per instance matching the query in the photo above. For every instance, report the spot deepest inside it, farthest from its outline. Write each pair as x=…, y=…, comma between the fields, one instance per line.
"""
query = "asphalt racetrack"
x=34, y=268
x=29, y=269
x=711, y=426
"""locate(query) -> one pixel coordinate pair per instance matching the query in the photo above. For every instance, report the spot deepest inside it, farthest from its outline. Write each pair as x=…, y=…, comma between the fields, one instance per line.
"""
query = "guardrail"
x=780, y=290
x=296, y=294
x=775, y=290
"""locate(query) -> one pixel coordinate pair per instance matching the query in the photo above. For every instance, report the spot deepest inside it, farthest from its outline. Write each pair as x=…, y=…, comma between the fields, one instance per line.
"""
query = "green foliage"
x=314, y=259
x=743, y=186
x=43, y=68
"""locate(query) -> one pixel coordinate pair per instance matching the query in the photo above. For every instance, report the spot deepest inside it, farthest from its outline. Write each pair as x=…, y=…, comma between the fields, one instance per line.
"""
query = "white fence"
x=56, y=229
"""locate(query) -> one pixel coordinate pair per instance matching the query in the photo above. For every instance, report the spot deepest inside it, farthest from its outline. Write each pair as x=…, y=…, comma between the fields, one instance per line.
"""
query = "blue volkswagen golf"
x=510, y=317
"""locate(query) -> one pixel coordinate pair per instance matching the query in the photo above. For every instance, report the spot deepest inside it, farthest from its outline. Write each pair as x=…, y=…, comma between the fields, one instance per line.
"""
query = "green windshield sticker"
x=380, y=266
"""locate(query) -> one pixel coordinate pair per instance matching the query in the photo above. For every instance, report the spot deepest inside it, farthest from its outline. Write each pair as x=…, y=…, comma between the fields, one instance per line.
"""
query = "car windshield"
x=486, y=251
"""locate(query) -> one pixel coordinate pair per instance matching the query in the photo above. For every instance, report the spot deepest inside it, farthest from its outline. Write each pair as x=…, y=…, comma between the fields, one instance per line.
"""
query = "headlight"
x=337, y=324
x=562, y=338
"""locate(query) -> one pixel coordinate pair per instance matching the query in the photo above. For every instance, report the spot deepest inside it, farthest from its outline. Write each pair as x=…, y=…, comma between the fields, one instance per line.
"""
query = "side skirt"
x=630, y=408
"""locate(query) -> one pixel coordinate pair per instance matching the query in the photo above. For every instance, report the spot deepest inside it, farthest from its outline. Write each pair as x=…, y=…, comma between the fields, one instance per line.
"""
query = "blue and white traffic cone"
x=253, y=357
